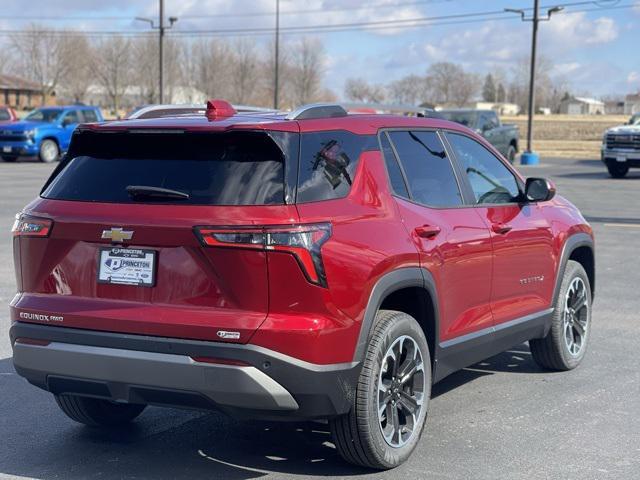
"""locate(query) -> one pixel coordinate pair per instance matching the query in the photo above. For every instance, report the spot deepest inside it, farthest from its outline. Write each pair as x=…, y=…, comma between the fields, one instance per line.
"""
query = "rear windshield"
x=4, y=114
x=239, y=168
x=468, y=119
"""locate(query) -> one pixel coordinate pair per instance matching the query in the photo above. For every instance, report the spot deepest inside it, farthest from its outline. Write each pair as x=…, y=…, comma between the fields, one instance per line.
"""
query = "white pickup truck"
x=621, y=147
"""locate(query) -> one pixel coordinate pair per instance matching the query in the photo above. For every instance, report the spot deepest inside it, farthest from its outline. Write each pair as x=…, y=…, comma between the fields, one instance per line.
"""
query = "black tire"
x=49, y=151
x=9, y=159
x=511, y=154
x=97, y=413
x=617, y=170
x=358, y=434
x=552, y=351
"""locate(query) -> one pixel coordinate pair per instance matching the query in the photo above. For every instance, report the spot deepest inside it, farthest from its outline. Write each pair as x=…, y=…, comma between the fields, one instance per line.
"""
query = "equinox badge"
x=117, y=234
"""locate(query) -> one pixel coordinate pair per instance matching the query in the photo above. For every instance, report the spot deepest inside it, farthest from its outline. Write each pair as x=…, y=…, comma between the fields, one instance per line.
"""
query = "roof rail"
x=167, y=110
x=317, y=110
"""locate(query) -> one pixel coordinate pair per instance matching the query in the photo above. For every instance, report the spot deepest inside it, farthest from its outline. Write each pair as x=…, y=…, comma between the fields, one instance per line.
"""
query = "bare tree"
x=549, y=89
x=451, y=84
x=359, y=90
x=307, y=67
x=113, y=65
x=80, y=75
x=245, y=71
x=410, y=90
x=44, y=55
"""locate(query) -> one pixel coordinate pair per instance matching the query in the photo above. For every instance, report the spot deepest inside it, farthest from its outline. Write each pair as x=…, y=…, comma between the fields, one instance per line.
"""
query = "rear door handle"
x=427, y=231
x=501, y=228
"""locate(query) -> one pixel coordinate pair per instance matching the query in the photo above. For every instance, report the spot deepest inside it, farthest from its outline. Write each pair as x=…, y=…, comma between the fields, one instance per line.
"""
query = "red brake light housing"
x=304, y=242
x=29, y=226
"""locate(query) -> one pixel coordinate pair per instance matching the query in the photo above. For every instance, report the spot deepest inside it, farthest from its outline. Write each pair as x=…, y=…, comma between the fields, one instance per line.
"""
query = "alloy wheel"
x=401, y=389
x=576, y=317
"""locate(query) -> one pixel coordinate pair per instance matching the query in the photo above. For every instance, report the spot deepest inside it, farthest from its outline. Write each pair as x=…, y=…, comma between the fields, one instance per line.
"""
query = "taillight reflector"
x=304, y=242
x=29, y=226
x=32, y=341
x=221, y=361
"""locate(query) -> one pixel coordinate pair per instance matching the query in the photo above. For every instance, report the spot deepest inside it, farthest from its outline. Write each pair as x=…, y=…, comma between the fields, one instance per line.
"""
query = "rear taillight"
x=302, y=241
x=28, y=226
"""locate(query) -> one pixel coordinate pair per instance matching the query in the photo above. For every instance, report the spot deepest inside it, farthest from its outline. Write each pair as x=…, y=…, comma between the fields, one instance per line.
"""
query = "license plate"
x=6, y=149
x=621, y=158
x=127, y=266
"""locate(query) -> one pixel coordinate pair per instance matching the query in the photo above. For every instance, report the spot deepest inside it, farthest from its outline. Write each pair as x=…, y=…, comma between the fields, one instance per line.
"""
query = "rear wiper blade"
x=144, y=191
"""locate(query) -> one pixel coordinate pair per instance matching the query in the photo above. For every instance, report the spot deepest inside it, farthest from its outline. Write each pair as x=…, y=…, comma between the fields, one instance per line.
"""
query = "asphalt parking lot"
x=500, y=419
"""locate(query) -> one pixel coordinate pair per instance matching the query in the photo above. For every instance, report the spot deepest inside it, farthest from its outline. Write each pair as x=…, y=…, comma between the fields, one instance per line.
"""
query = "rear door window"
x=427, y=167
x=328, y=162
x=240, y=168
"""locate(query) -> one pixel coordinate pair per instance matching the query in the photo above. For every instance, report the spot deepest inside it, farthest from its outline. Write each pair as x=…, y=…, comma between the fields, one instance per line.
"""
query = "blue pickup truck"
x=45, y=133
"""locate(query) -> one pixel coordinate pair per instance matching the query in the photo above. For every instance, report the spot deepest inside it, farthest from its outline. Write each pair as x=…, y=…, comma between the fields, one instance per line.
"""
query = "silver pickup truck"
x=504, y=137
x=621, y=147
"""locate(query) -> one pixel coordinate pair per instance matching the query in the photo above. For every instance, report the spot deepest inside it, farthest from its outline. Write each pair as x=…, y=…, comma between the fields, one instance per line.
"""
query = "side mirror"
x=539, y=190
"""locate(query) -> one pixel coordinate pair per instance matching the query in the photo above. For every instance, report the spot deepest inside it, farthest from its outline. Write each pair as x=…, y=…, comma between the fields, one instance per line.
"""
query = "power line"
x=465, y=18
x=233, y=15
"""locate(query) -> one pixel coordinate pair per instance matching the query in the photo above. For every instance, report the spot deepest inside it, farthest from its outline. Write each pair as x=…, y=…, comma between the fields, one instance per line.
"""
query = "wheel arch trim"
x=389, y=283
x=571, y=244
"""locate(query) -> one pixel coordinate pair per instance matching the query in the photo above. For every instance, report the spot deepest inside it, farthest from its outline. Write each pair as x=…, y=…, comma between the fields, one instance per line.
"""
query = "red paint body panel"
x=263, y=294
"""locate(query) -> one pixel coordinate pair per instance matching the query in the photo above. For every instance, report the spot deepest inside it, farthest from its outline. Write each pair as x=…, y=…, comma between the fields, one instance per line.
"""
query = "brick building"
x=22, y=94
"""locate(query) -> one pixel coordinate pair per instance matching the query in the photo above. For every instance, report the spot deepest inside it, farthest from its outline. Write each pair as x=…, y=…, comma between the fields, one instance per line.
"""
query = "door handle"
x=427, y=231
x=501, y=228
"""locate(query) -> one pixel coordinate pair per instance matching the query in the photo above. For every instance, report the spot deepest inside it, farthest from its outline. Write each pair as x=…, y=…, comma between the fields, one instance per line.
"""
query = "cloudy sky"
x=594, y=45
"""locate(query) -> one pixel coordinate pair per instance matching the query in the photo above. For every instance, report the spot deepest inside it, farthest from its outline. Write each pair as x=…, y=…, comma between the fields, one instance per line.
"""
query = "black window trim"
x=467, y=185
x=395, y=159
x=454, y=167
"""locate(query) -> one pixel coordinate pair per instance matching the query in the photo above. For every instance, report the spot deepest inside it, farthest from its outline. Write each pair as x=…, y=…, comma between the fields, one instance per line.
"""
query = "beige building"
x=581, y=106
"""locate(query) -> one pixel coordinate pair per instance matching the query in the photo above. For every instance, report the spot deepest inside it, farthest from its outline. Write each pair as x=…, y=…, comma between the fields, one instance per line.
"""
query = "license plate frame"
x=135, y=267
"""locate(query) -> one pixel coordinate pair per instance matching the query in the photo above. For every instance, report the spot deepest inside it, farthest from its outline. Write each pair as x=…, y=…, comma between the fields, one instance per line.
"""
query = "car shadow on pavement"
x=40, y=442
x=604, y=175
x=515, y=360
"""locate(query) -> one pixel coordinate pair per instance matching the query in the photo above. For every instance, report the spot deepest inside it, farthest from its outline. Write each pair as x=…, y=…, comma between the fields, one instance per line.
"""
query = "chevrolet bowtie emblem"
x=117, y=235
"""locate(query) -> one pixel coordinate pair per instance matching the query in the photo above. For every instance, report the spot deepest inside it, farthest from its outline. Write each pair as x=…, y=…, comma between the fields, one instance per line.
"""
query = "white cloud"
x=564, y=69
x=633, y=78
x=575, y=30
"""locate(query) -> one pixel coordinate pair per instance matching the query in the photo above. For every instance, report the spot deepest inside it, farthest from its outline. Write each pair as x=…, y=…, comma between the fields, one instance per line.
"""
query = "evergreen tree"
x=489, y=89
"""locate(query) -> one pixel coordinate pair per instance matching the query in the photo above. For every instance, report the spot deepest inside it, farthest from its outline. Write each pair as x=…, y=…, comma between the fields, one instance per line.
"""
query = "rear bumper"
x=161, y=371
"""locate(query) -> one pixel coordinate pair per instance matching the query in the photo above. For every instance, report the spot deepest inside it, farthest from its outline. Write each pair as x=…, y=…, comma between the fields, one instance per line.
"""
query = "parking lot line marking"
x=622, y=225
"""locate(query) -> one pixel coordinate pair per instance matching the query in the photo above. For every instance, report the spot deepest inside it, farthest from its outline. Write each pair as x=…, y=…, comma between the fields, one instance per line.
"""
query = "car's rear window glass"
x=328, y=162
x=4, y=115
x=89, y=116
x=240, y=168
x=395, y=174
x=429, y=172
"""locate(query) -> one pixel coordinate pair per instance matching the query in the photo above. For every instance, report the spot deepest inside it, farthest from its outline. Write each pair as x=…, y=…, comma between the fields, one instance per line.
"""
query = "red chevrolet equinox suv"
x=310, y=265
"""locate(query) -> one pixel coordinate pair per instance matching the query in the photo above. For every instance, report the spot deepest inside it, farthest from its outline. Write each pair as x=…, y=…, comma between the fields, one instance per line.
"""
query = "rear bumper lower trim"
x=160, y=370
x=225, y=385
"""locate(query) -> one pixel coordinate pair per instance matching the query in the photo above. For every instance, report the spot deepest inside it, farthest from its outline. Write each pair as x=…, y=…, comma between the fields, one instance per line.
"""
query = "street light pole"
x=529, y=157
x=161, y=53
x=277, y=59
x=532, y=76
x=161, y=29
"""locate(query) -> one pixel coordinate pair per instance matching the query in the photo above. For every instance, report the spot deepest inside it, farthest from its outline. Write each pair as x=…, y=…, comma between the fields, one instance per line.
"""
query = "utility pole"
x=277, y=59
x=161, y=53
x=161, y=29
x=529, y=157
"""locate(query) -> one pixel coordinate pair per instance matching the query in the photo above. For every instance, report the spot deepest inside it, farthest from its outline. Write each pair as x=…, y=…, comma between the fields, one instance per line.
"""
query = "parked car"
x=504, y=137
x=7, y=114
x=310, y=265
x=44, y=133
x=621, y=148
